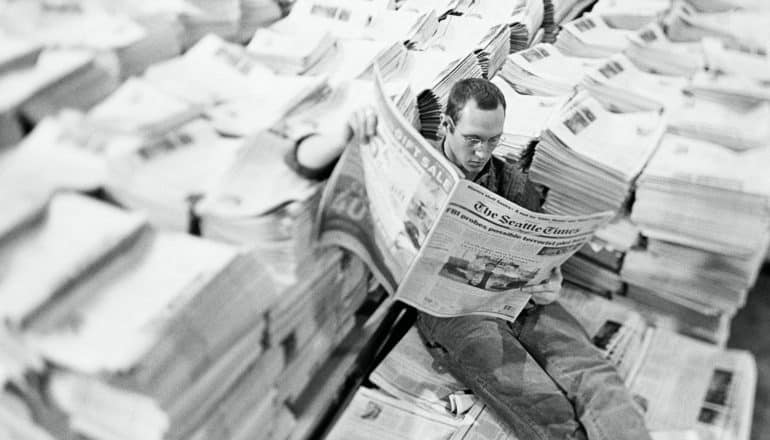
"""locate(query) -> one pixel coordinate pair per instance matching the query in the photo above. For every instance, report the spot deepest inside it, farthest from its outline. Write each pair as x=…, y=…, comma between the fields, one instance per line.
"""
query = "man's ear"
x=445, y=122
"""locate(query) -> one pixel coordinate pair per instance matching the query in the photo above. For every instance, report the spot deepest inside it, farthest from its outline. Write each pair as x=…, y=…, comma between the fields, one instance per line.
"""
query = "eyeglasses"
x=474, y=142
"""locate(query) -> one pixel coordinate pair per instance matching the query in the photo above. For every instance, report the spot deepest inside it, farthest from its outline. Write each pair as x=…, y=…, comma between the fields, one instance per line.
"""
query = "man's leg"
x=484, y=354
x=603, y=404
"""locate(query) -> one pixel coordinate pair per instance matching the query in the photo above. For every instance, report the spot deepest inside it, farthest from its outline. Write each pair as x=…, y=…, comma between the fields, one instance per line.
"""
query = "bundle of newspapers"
x=621, y=86
x=566, y=10
x=72, y=56
x=144, y=365
x=589, y=157
x=261, y=204
x=488, y=40
x=431, y=75
x=591, y=37
x=652, y=50
x=164, y=176
x=745, y=29
x=704, y=207
x=209, y=341
x=240, y=94
x=525, y=118
x=630, y=14
x=729, y=122
x=528, y=23
x=543, y=70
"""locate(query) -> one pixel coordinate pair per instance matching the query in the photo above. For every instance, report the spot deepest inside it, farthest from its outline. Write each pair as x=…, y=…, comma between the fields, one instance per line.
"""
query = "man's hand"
x=363, y=125
x=547, y=291
x=322, y=148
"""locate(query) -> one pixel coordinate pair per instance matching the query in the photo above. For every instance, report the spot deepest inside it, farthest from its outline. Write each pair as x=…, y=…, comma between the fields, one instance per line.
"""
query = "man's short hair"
x=486, y=94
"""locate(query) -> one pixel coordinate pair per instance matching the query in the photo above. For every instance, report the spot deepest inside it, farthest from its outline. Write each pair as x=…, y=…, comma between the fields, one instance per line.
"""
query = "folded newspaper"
x=436, y=241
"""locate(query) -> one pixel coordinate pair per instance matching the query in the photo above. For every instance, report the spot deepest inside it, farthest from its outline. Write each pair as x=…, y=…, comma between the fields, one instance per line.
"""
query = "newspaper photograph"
x=484, y=248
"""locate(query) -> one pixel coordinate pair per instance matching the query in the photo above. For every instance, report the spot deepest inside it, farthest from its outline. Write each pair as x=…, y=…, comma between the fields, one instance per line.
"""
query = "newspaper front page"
x=484, y=248
x=442, y=244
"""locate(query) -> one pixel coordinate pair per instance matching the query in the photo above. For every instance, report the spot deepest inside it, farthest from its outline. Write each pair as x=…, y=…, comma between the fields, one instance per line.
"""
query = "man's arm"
x=314, y=155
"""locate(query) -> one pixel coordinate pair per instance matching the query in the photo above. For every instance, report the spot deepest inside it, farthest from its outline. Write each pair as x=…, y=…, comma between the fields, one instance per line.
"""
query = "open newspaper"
x=442, y=244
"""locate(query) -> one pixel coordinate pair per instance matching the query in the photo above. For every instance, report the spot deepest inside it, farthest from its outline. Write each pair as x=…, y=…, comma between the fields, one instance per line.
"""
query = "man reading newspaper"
x=539, y=371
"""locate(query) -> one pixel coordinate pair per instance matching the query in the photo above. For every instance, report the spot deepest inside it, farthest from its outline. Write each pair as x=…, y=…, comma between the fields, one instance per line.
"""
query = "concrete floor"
x=751, y=331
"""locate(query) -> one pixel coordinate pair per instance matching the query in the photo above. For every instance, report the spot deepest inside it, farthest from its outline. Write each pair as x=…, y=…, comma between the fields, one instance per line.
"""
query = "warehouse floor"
x=751, y=331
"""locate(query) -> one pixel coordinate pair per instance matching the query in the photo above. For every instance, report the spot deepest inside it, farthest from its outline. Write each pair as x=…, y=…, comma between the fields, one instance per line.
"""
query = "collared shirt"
x=505, y=180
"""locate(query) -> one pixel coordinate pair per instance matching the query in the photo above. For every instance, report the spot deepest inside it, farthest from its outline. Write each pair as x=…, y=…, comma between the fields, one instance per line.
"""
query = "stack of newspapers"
x=746, y=29
x=525, y=118
x=165, y=175
x=41, y=82
x=527, y=22
x=256, y=14
x=597, y=265
x=462, y=34
x=220, y=17
x=431, y=75
x=724, y=58
x=631, y=14
x=589, y=157
x=727, y=121
x=354, y=58
x=652, y=50
x=591, y=37
x=621, y=86
x=543, y=70
x=704, y=208
x=144, y=365
x=260, y=203
x=211, y=345
x=566, y=10
x=291, y=54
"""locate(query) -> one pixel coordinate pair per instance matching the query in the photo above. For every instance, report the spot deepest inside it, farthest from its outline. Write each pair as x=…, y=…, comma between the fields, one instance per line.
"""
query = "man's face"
x=470, y=141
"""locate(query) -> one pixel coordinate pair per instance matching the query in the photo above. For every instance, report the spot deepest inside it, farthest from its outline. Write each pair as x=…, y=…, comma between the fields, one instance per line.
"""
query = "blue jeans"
x=540, y=374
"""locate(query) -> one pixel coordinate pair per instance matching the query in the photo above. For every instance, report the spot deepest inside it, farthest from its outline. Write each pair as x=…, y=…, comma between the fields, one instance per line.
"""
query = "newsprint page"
x=436, y=241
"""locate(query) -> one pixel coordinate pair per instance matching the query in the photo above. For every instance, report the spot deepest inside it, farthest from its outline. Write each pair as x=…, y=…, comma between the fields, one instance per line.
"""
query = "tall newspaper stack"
x=260, y=203
x=525, y=118
x=142, y=329
x=589, y=157
x=703, y=208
